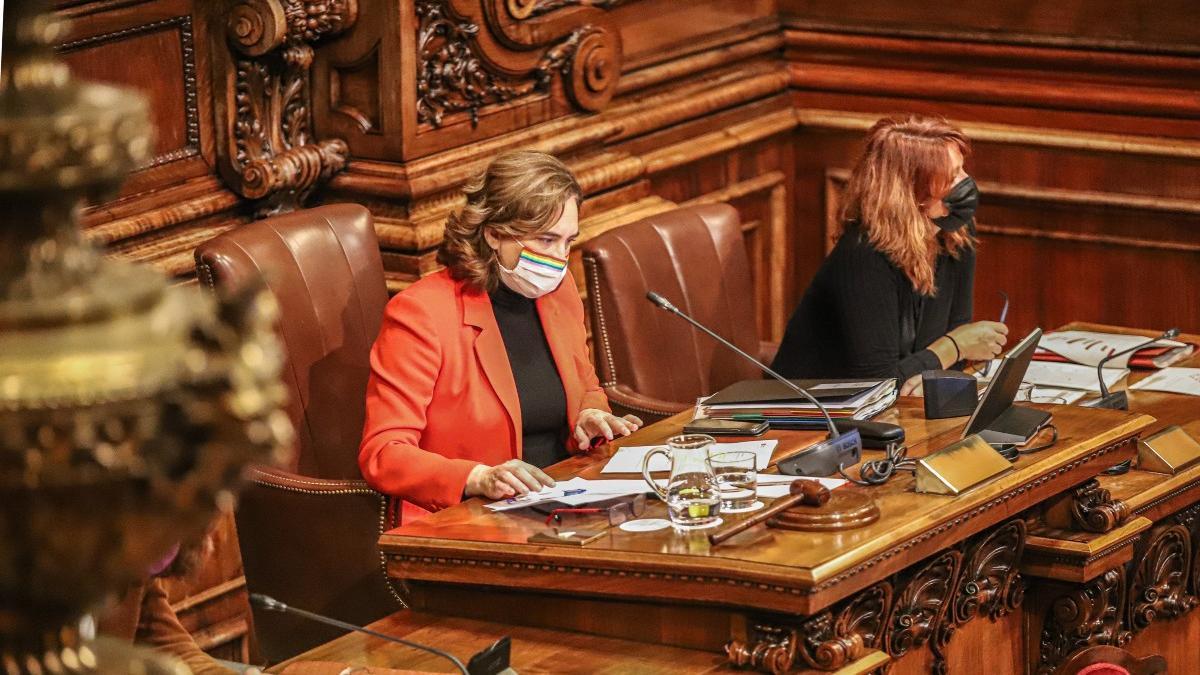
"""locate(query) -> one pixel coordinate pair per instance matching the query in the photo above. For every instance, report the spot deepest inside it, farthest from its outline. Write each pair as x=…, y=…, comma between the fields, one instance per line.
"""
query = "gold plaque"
x=959, y=467
x=1169, y=451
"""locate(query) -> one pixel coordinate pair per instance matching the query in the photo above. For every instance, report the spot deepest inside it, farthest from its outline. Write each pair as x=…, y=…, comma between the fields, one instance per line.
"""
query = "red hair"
x=906, y=163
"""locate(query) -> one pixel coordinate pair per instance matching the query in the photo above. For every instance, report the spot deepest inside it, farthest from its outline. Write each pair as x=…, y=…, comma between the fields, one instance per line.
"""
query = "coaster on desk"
x=689, y=528
x=645, y=525
x=749, y=509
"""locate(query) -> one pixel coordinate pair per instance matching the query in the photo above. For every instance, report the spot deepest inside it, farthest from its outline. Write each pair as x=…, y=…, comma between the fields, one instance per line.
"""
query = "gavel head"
x=811, y=492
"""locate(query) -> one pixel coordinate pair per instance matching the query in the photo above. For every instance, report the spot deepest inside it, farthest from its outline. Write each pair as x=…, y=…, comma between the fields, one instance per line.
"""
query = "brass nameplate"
x=1169, y=451
x=959, y=467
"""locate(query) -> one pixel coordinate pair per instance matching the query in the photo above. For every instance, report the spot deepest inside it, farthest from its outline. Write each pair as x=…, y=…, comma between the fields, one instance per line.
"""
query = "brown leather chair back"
x=696, y=258
x=324, y=268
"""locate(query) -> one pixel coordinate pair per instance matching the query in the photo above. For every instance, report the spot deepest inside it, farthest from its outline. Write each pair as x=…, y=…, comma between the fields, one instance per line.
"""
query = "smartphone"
x=715, y=427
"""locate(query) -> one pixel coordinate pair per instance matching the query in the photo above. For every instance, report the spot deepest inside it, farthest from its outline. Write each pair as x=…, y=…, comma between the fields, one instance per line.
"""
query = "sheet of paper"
x=629, y=459
x=1057, y=395
x=1088, y=347
x=775, y=490
x=1173, y=381
x=842, y=385
x=574, y=492
x=1071, y=376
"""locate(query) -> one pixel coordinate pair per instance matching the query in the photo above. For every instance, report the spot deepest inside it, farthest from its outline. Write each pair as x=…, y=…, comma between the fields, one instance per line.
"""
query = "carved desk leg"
x=1093, y=508
x=1158, y=589
x=827, y=641
x=1085, y=615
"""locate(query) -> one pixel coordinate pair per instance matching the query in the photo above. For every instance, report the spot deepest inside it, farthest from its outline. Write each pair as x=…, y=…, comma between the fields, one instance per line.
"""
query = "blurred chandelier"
x=128, y=406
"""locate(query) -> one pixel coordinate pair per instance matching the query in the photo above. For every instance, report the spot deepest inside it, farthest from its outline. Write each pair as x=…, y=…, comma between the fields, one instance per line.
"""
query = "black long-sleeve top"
x=861, y=317
x=539, y=386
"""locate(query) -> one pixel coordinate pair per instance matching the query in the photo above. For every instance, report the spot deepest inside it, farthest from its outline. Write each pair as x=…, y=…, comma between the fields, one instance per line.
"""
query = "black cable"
x=1012, y=452
x=1118, y=469
x=879, y=471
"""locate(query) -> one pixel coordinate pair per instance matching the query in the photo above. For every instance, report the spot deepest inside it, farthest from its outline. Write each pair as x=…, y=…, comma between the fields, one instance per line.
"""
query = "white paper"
x=1089, y=348
x=593, y=491
x=1173, y=381
x=629, y=459
x=1071, y=376
x=776, y=490
x=1056, y=395
x=843, y=385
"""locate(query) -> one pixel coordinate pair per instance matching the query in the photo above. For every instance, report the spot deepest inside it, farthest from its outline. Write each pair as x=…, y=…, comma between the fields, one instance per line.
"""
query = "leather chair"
x=1109, y=660
x=654, y=364
x=308, y=533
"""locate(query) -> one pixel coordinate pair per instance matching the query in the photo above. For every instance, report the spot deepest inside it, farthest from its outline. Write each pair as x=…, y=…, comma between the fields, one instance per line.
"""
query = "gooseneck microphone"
x=271, y=604
x=822, y=458
x=1120, y=400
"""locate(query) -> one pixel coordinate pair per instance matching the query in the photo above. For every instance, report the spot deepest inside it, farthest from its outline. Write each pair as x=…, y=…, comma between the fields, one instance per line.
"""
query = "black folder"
x=770, y=391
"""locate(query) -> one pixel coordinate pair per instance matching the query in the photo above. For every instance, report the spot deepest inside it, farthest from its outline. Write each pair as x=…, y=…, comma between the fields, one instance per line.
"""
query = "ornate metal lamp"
x=127, y=406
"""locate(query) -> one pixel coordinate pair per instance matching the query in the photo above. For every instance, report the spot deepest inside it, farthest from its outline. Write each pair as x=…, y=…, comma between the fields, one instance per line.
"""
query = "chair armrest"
x=625, y=400
x=312, y=543
x=767, y=351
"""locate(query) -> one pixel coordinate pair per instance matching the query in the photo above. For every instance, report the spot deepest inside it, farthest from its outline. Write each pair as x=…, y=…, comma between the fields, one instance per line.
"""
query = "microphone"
x=837, y=445
x=1120, y=400
x=270, y=604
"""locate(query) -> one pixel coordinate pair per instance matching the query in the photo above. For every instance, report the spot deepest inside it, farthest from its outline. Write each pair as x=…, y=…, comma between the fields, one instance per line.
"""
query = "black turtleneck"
x=539, y=386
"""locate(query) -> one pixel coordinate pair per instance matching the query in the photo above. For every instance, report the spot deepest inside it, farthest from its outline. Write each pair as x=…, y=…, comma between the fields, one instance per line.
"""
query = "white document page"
x=1071, y=376
x=629, y=459
x=1173, y=381
x=1088, y=347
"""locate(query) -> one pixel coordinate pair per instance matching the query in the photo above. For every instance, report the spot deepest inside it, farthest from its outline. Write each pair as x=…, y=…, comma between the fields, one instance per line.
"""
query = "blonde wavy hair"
x=520, y=193
x=905, y=164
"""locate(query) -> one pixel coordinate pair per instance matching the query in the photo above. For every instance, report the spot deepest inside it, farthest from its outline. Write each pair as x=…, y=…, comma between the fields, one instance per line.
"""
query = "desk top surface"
x=787, y=571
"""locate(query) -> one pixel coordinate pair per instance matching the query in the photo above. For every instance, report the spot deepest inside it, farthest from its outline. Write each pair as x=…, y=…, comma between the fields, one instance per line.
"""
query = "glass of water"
x=737, y=480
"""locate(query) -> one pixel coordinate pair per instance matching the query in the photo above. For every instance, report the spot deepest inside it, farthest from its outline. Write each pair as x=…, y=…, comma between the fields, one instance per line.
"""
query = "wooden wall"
x=1085, y=118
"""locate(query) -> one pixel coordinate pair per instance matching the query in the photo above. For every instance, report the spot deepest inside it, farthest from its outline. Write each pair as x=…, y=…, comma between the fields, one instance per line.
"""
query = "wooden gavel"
x=806, y=492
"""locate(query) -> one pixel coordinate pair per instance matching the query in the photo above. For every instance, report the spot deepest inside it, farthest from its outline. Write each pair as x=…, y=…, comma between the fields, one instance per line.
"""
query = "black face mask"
x=961, y=202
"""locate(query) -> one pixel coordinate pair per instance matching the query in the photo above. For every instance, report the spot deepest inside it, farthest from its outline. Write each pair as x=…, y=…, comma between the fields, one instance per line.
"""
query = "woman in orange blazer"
x=480, y=375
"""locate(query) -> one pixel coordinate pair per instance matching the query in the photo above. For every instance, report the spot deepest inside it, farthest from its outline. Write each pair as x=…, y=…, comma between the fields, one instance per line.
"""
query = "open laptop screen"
x=1002, y=390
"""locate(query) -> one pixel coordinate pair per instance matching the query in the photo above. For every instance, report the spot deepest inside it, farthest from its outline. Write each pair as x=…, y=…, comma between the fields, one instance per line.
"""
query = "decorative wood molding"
x=453, y=76
x=527, y=9
x=1159, y=587
x=1190, y=518
x=1094, y=510
x=187, y=48
x=767, y=649
x=270, y=155
x=921, y=604
x=830, y=643
x=1087, y=615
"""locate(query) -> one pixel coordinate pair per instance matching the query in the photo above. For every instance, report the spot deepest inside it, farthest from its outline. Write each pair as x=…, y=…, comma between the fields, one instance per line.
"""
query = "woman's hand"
x=594, y=422
x=981, y=340
x=913, y=386
x=509, y=479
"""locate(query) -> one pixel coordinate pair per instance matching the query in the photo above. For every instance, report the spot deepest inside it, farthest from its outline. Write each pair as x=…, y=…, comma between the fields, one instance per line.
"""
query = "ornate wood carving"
x=989, y=584
x=527, y=9
x=1088, y=615
x=1093, y=508
x=833, y=639
x=921, y=604
x=1159, y=587
x=271, y=154
x=1190, y=519
x=768, y=649
x=452, y=76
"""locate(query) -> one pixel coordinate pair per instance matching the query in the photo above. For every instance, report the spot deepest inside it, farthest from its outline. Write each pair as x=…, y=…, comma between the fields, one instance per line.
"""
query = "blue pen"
x=568, y=493
x=1004, y=311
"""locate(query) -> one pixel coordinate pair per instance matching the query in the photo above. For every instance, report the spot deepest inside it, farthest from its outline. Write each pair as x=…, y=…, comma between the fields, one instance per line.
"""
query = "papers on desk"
x=1072, y=376
x=1173, y=381
x=574, y=492
x=1089, y=348
x=629, y=459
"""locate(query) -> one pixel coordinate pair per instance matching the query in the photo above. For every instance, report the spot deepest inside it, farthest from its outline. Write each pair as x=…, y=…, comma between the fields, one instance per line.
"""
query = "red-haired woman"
x=894, y=297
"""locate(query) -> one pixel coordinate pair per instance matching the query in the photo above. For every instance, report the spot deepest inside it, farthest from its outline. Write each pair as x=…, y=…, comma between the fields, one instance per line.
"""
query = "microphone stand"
x=840, y=444
x=1119, y=400
x=271, y=604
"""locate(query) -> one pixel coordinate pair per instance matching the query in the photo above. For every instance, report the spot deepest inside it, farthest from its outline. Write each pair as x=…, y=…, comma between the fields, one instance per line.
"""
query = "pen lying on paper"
x=534, y=495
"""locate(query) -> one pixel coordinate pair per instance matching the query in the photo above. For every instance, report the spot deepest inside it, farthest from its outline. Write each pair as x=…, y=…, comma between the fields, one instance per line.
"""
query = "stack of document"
x=1173, y=381
x=771, y=400
x=1088, y=348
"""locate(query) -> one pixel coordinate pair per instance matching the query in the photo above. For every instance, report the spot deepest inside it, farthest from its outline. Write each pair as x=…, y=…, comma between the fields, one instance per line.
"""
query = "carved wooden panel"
x=1086, y=615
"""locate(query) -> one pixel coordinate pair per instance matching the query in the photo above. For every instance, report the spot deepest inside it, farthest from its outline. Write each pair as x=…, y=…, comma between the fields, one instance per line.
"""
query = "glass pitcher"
x=692, y=498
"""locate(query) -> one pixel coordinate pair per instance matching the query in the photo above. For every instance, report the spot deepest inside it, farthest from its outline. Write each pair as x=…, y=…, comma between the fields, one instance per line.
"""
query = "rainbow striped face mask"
x=535, y=275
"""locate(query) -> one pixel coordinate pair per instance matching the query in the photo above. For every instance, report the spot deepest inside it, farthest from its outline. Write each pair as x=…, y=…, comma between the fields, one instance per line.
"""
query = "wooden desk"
x=903, y=586
x=1135, y=586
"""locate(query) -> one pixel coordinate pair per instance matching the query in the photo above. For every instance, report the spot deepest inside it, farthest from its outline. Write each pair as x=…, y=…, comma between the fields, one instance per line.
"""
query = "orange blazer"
x=441, y=397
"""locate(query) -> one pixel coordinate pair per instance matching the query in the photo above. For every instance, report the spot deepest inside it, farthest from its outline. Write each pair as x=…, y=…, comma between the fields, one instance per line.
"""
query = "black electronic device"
x=996, y=418
x=836, y=450
x=719, y=427
x=874, y=434
x=1119, y=400
x=948, y=393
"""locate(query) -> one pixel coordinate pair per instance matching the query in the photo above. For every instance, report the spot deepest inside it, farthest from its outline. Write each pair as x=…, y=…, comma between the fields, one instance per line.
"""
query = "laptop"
x=996, y=418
